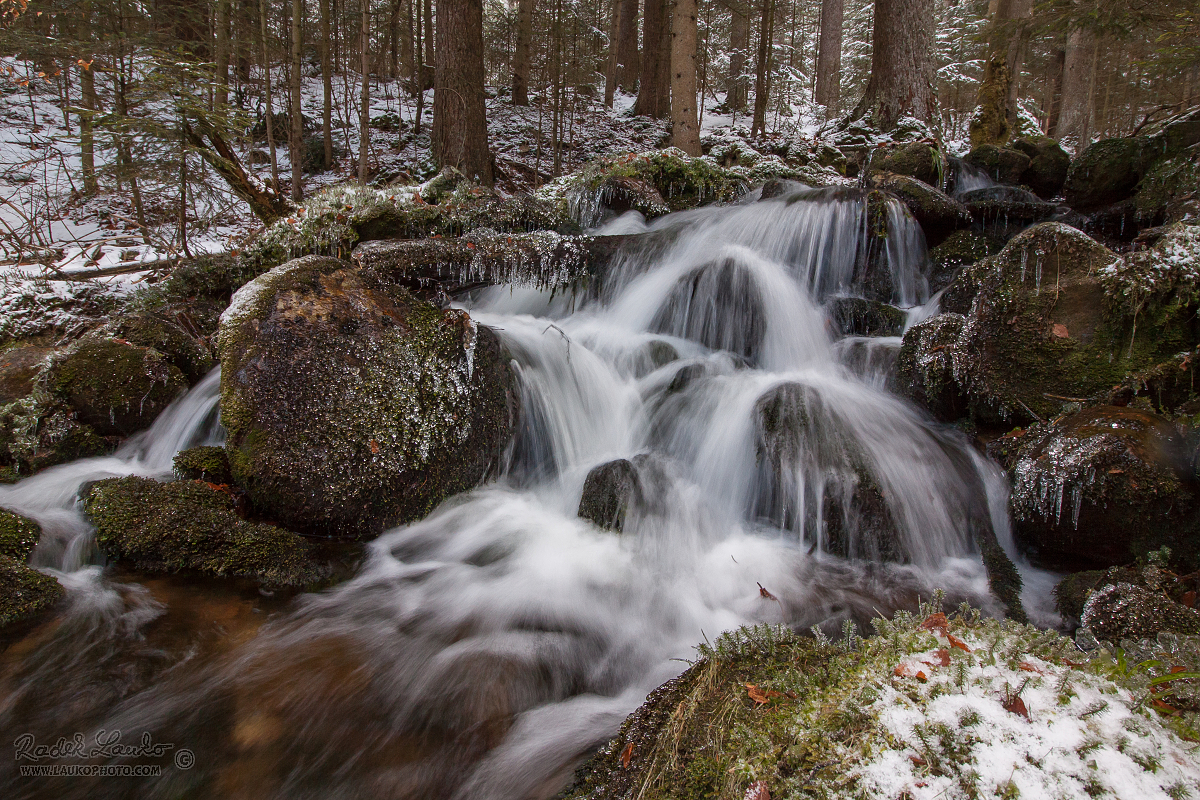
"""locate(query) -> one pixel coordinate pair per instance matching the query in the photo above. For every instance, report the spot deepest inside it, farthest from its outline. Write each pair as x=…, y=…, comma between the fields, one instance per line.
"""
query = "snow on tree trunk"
x=459, y=120
x=685, y=131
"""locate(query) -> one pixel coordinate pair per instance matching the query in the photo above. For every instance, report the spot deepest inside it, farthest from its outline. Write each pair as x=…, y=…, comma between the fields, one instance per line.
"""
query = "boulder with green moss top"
x=116, y=387
x=1048, y=165
x=209, y=464
x=19, y=367
x=960, y=249
x=1004, y=211
x=188, y=525
x=18, y=535
x=37, y=432
x=930, y=368
x=854, y=316
x=1101, y=487
x=919, y=160
x=1152, y=573
x=1109, y=171
x=1169, y=387
x=187, y=353
x=1169, y=190
x=352, y=405
x=1002, y=164
x=25, y=593
x=939, y=214
x=1119, y=611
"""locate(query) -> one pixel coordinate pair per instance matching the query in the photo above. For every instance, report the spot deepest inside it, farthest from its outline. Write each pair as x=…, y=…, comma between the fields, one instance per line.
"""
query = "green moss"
x=1162, y=192
x=24, y=592
x=18, y=535
x=203, y=464
x=1108, y=171
x=930, y=367
x=960, y=249
x=186, y=525
x=189, y=355
x=919, y=160
x=39, y=431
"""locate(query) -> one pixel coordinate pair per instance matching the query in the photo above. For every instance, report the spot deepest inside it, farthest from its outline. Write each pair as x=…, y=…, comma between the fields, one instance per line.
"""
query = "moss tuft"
x=203, y=464
x=18, y=535
x=24, y=592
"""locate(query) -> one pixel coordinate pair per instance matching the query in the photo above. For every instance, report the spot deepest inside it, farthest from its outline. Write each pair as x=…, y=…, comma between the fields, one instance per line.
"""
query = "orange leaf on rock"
x=626, y=756
x=756, y=694
x=1017, y=706
x=936, y=623
x=374, y=446
x=940, y=658
x=957, y=642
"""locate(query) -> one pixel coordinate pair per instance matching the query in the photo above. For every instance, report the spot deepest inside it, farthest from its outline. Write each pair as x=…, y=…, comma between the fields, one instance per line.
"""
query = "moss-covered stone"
x=854, y=316
x=19, y=366
x=188, y=525
x=352, y=405
x=115, y=387
x=18, y=535
x=189, y=355
x=39, y=431
x=25, y=593
x=1004, y=211
x=1108, y=171
x=929, y=369
x=1120, y=611
x=938, y=214
x=1002, y=164
x=1102, y=487
x=919, y=160
x=203, y=464
x=1169, y=190
x=946, y=260
x=1048, y=165
x=608, y=492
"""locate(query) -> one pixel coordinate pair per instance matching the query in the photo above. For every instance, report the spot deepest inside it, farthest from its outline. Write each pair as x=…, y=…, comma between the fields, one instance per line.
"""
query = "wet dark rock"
x=1048, y=165
x=1169, y=387
x=930, y=366
x=1169, y=190
x=1109, y=171
x=209, y=464
x=113, y=386
x=352, y=405
x=34, y=436
x=960, y=249
x=615, y=490
x=918, y=160
x=621, y=193
x=19, y=367
x=854, y=316
x=18, y=535
x=1101, y=487
x=718, y=305
x=1002, y=164
x=938, y=214
x=25, y=593
x=1125, y=611
x=187, y=353
x=1008, y=205
x=188, y=525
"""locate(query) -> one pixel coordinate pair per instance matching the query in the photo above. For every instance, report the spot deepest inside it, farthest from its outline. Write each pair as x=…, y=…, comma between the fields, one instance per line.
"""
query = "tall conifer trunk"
x=829, y=57
x=901, y=82
x=685, y=130
x=459, y=114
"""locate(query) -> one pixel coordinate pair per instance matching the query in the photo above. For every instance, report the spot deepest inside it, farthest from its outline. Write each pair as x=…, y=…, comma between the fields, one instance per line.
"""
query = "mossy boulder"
x=25, y=593
x=19, y=367
x=38, y=432
x=209, y=464
x=960, y=249
x=18, y=535
x=1101, y=487
x=938, y=214
x=1002, y=164
x=1169, y=191
x=929, y=369
x=1169, y=388
x=618, y=194
x=1120, y=611
x=188, y=354
x=1004, y=211
x=919, y=160
x=188, y=525
x=1048, y=165
x=854, y=316
x=352, y=405
x=1109, y=171
x=116, y=387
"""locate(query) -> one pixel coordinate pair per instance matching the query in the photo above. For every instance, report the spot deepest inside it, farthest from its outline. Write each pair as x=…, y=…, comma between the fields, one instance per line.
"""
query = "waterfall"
x=480, y=652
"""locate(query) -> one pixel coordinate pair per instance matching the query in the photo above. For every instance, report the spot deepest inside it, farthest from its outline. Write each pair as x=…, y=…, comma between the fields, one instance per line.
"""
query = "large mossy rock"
x=919, y=160
x=1048, y=165
x=1109, y=171
x=930, y=370
x=960, y=249
x=203, y=464
x=25, y=593
x=938, y=214
x=18, y=535
x=19, y=367
x=189, y=355
x=189, y=525
x=1002, y=164
x=854, y=316
x=1120, y=611
x=1101, y=487
x=116, y=387
x=352, y=405
x=1170, y=190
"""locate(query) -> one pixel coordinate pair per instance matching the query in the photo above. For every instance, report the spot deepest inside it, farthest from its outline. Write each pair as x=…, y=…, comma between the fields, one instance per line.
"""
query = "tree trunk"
x=685, y=130
x=739, y=51
x=422, y=45
x=628, y=65
x=266, y=204
x=459, y=114
x=364, y=115
x=829, y=57
x=222, y=53
x=762, y=68
x=901, y=82
x=270, y=103
x=296, y=143
x=1054, y=82
x=90, y=103
x=996, y=119
x=1075, y=118
x=520, y=80
x=610, y=69
x=326, y=84
x=650, y=100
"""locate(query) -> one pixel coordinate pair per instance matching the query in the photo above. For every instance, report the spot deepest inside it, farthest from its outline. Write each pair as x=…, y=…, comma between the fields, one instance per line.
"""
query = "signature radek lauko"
x=107, y=745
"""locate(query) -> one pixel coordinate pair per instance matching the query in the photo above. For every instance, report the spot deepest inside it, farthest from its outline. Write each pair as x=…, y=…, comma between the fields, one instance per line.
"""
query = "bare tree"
x=1075, y=119
x=628, y=65
x=520, y=81
x=652, y=99
x=364, y=113
x=762, y=68
x=296, y=143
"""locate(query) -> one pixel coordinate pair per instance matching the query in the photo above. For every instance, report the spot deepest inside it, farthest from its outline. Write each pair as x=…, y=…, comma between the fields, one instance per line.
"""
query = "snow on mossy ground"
x=930, y=707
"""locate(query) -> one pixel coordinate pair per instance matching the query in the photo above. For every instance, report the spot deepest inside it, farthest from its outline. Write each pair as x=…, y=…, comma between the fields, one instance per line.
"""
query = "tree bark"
x=520, y=80
x=1054, y=91
x=685, y=130
x=266, y=204
x=270, y=103
x=1075, y=119
x=996, y=119
x=628, y=65
x=364, y=115
x=829, y=57
x=296, y=145
x=326, y=84
x=222, y=52
x=459, y=113
x=651, y=101
x=901, y=82
x=90, y=103
x=762, y=68
x=739, y=51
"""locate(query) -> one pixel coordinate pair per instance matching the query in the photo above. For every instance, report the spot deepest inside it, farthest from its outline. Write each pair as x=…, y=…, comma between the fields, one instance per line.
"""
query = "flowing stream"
x=481, y=652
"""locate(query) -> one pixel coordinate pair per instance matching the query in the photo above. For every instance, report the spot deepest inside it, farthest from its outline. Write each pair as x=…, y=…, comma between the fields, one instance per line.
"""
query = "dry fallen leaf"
x=762, y=591
x=1059, y=331
x=1016, y=705
x=626, y=756
x=757, y=791
x=936, y=623
x=957, y=642
x=756, y=694
x=374, y=446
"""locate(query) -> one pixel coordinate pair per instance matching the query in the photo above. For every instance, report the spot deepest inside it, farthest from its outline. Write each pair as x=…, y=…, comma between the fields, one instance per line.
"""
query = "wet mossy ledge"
x=191, y=526
x=351, y=404
x=932, y=705
x=25, y=593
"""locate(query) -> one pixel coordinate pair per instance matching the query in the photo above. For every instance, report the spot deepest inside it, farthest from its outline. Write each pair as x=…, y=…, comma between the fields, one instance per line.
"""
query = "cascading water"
x=482, y=651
